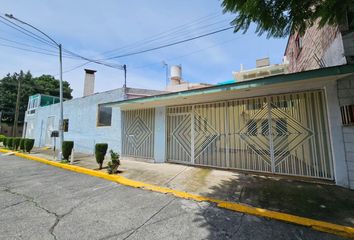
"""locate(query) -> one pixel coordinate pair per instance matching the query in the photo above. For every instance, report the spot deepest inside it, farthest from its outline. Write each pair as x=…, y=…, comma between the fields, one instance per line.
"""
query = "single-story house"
x=290, y=124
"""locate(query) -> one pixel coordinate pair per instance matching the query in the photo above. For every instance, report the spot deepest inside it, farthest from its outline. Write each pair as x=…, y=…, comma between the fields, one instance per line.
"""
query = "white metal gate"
x=236, y=134
x=138, y=133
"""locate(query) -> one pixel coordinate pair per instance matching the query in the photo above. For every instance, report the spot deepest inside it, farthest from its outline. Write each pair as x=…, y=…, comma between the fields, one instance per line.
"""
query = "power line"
x=164, y=34
x=26, y=32
x=190, y=53
x=29, y=50
x=168, y=45
x=28, y=45
x=43, y=40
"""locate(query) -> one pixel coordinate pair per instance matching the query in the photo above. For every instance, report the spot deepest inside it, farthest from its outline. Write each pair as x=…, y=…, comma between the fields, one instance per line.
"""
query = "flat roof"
x=331, y=73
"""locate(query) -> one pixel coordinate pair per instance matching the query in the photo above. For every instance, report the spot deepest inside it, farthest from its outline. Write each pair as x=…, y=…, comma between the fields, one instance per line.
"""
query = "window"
x=298, y=43
x=66, y=125
x=104, y=116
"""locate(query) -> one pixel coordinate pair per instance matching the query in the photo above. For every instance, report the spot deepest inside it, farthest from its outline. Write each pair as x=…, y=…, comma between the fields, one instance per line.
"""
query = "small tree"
x=16, y=143
x=67, y=149
x=100, y=153
x=114, y=164
x=29, y=143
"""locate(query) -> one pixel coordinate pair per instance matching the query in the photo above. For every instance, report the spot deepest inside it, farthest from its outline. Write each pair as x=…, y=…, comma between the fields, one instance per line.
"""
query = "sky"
x=109, y=28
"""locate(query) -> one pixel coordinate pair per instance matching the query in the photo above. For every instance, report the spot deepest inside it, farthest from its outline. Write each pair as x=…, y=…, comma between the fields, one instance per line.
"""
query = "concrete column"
x=337, y=140
x=160, y=135
x=118, y=119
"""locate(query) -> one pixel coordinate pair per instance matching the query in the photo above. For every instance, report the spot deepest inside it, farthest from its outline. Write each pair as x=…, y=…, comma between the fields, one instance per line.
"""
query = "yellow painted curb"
x=336, y=229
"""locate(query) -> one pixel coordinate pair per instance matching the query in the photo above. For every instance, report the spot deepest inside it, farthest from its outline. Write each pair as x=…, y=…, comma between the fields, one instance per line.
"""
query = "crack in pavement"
x=239, y=227
x=57, y=216
x=134, y=230
x=12, y=205
x=153, y=215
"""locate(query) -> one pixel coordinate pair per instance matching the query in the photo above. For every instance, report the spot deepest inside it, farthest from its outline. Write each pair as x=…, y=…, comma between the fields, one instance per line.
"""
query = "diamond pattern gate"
x=138, y=133
x=282, y=134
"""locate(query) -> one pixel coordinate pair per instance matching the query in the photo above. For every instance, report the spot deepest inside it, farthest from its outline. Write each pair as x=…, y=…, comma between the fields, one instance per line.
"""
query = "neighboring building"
x=177, y=84
x=320, y=47
x=325, y=47
x=286, y=124
x=86, y=122
x=263, y=69
x=7, y=129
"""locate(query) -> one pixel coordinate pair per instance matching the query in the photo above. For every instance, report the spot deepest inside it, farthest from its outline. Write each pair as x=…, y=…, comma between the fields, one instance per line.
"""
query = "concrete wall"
x=6, y=129
x=82, y=115
x=346, y=97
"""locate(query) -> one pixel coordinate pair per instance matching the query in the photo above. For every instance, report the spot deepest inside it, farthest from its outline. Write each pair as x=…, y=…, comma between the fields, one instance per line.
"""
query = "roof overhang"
x=264, y=86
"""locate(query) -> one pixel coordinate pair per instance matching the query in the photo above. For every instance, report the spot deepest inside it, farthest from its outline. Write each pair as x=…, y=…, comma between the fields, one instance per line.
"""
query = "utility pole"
x=125, y=82
x=61, y=121
x=17, y=108
x=61, y=130
x=0, y=120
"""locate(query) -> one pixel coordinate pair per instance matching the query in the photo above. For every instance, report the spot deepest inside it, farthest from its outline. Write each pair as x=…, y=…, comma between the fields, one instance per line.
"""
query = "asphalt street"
x=38, y=201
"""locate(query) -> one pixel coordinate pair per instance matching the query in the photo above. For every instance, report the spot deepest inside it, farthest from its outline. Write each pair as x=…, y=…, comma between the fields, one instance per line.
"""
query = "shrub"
x=16, y=143
x=22, y=144
x=114, y=164
x=5, y=142
x=9, y=143
x=100, y=153
x=2, y=138
x=67, y=149
x=29, y=143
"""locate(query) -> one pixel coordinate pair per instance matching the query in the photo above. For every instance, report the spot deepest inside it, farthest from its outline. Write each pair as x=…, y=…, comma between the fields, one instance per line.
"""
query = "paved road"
x=43, y=202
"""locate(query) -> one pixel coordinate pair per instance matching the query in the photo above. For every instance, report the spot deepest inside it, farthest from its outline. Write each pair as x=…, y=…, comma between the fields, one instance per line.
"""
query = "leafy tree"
x=279, y=18
x=44, y=84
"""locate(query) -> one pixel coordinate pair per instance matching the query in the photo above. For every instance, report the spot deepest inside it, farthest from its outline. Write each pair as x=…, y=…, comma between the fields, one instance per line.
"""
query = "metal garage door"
x=138, y=133
x=236, y=134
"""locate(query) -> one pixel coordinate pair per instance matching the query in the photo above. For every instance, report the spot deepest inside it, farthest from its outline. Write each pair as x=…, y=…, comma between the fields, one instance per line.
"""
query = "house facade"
x=86, y=121
x=288, y=124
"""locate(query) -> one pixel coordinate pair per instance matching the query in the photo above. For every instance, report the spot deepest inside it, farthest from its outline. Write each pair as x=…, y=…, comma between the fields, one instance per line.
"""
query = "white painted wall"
x=334, y=55
x=82, y=115
x=346, y=97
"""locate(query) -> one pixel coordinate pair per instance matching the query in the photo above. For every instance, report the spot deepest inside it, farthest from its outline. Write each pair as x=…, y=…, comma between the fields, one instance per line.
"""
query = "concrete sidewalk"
x=314, y=200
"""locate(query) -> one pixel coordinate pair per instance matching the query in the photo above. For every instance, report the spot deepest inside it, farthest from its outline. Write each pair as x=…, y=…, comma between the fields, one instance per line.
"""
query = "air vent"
x=347, y=115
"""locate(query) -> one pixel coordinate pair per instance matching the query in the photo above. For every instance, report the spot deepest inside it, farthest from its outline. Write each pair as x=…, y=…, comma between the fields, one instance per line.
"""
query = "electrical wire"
x=31, y=46
x=168, y=45
x=26, y=32
x=161, y=35
x=188, y=54
x=29, y=50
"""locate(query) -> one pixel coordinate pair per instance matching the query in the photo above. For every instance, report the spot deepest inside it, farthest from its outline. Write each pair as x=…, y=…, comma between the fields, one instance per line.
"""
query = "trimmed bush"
x=67, y=149
x=5, y=142
x=10, y=143
x=22, y=144
x=100, y=153
x=16, y=143
x=29, y=143
x=2, y=138
x=114, y=164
